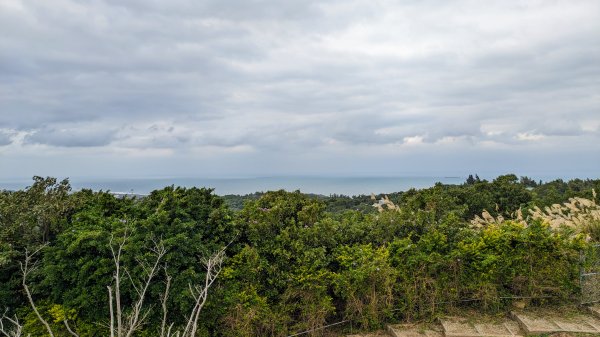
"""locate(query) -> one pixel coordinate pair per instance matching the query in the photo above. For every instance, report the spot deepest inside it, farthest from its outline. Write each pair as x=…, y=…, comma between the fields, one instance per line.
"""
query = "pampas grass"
x=580, y=214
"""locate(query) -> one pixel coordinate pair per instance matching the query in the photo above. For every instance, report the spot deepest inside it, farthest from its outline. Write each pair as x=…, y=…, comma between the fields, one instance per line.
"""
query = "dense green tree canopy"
x=294, y=261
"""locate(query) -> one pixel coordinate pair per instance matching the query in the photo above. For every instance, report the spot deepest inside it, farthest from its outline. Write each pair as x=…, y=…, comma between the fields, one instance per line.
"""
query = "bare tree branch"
x=134, y=318
x=15, y=331
x=164, y=299
x=112, y=315
x=69, y=328
x=213, y=268
x=27, y=268
x=135, y=287
x=169, y=332
x=117, y=277
x=131, y=322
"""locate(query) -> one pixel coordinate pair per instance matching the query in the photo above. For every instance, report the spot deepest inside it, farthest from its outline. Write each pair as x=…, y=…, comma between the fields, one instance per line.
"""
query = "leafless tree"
x=13, y=329
x=128, y=323
x=213, y=265
x=27, y=267
x=163, y=302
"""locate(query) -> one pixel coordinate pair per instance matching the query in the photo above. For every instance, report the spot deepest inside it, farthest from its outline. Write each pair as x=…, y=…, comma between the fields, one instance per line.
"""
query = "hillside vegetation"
x=284, y=262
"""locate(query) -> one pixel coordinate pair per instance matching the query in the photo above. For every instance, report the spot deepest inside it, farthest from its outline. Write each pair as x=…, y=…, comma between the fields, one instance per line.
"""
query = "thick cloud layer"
x=283, y=87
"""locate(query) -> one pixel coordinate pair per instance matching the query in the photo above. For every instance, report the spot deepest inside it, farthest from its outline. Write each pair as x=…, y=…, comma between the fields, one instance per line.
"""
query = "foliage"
x=29, y=218
x=365, y=282
x=297, y=261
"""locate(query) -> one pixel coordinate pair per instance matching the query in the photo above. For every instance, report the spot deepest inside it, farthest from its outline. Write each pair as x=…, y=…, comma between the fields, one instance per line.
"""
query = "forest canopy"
x=285, y=262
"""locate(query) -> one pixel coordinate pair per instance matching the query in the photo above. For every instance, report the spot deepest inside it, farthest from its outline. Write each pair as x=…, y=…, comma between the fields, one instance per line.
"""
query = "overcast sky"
x=145, y=88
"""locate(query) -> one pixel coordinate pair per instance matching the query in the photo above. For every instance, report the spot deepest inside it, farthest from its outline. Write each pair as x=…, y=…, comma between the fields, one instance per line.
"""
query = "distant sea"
x=223, y=186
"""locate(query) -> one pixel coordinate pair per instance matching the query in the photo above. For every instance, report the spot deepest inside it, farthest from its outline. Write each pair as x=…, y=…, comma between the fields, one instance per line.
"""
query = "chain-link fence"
x=590, y=275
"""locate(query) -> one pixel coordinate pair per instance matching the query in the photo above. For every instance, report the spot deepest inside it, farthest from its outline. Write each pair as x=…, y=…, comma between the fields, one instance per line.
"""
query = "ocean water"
x=223, y=186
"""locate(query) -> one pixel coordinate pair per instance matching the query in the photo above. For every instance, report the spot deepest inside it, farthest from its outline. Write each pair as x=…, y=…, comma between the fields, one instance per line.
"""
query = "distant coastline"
x=240, y=186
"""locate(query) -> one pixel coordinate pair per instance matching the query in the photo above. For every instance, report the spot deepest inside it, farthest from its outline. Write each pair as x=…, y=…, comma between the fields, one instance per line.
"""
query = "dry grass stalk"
x=486, y=219
x=577, y=213
x=384, y=204
x=580, y=214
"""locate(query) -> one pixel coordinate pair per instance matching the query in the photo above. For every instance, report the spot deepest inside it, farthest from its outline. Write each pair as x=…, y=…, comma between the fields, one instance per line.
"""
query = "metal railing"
x=589, y=276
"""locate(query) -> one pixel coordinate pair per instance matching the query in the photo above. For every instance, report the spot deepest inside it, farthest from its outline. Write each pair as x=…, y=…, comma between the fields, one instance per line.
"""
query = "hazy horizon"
x=349, y=185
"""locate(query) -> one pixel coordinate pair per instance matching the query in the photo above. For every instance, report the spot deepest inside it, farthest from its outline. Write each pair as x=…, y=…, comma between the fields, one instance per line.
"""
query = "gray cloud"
x=71, y=136
x=271, y=77
x=5, y=138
